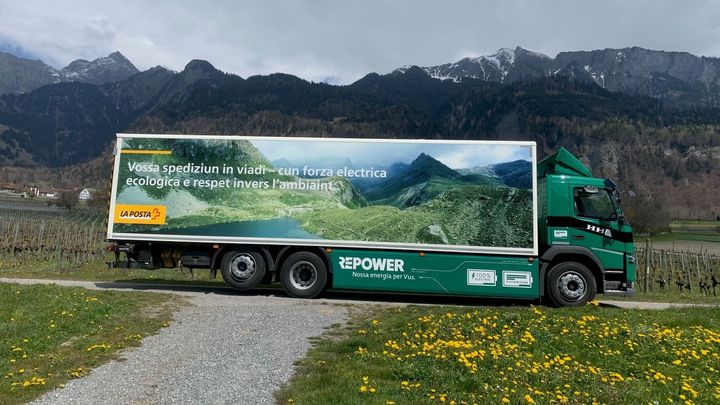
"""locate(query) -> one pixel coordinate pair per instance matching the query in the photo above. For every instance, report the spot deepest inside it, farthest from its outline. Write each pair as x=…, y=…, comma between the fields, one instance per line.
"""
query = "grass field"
x=670, y=295
x=450, y=355
x=51, y=334
x=98, y=271
x=689, y=236
x=689, y=230
x=697, y=225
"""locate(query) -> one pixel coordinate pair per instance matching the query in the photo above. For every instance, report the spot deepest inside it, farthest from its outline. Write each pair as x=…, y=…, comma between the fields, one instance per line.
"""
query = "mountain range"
x=679, y=78
x=19, y=75
x=658, y=136
x=425, y=178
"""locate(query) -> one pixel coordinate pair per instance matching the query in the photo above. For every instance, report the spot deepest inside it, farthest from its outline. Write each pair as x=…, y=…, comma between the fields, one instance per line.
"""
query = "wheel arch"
x=288, y=250
x=219, y=253
x=559, y=254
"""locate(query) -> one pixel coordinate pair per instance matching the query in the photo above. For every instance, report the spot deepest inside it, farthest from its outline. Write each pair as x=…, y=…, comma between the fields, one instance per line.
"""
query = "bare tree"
x=648, y=214
x=68, y=199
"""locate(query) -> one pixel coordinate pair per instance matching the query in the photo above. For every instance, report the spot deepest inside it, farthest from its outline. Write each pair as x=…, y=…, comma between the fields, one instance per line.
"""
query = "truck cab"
x=584, y=239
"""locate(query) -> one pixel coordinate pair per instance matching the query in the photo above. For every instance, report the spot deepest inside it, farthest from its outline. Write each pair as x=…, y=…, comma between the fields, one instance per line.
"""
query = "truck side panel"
x=440, y=273
x=443, y=196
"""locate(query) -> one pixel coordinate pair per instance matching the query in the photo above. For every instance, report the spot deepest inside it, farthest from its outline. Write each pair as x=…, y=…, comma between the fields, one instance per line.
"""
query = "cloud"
x=471, y=156
x=319, y=39
x=383, y=153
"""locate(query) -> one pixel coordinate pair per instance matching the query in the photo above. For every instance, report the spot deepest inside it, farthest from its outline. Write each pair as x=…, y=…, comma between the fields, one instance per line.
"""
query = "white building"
x=85, y=195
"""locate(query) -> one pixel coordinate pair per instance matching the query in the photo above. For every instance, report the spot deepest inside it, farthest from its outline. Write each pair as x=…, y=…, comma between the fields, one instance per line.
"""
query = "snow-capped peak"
x=493, y=67
x=111, y=68
x=503, y=56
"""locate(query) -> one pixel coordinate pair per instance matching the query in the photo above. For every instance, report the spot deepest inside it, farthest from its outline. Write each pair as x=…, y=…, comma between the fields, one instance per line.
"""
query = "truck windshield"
x=594, y=203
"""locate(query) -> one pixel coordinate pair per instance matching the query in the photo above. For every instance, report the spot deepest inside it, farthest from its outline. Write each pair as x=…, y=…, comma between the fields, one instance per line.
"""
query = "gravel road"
x=687, y=245
x=225, y=348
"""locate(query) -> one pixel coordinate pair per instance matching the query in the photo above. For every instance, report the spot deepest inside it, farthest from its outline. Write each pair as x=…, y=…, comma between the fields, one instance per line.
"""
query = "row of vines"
x=66, y=237
x=678, y=271
x=70, y=238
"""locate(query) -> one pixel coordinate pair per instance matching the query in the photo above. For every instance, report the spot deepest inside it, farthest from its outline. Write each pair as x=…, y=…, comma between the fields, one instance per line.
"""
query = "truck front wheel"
x=570, y=284
x=243, y=270
x=303, y=275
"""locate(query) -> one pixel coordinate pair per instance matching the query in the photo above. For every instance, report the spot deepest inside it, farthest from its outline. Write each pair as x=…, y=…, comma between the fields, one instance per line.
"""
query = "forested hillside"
x=663, y=152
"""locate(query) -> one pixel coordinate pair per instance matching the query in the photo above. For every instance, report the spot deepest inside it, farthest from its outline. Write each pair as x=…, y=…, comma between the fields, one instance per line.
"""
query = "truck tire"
x=570, y=284
x=303, y=275
x=242, y=269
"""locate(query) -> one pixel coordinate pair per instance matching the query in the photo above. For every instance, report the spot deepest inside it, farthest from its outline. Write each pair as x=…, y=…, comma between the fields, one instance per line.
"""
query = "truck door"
x=597, y=227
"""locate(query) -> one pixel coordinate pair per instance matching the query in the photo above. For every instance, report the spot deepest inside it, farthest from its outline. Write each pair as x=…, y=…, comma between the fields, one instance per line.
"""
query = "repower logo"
x=371, y=264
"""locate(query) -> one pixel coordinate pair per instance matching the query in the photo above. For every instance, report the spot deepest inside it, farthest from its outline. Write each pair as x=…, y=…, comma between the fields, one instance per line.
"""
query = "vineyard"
x=63, y=239
x=677, y=271
x=33, y=233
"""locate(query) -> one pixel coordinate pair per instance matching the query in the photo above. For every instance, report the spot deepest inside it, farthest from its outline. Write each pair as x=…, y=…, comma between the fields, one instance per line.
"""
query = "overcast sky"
x=458, y=155
x=340, y=41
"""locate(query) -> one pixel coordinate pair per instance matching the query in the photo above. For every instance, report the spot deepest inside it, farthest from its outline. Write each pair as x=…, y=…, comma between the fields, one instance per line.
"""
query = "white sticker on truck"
x=487, y=278
x=517, y=279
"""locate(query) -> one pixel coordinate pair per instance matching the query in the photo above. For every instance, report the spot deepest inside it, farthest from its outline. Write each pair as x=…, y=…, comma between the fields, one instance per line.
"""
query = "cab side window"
x=594, y=204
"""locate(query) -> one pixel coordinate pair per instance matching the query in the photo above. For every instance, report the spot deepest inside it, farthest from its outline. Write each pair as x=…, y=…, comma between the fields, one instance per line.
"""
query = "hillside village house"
x=11, y=190
x=38, y=191
x=8, y=188
x=48, y=193
x=85, y=195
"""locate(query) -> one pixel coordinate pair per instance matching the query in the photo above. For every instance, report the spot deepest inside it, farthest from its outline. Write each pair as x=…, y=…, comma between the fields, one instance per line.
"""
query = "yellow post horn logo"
x=140, y=214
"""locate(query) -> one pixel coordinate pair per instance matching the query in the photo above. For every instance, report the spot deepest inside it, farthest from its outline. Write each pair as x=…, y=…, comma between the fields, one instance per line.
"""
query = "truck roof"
x=562, y=162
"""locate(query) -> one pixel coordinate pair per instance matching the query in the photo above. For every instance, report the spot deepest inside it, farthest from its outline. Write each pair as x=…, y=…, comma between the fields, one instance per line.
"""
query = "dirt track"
x=685, y=245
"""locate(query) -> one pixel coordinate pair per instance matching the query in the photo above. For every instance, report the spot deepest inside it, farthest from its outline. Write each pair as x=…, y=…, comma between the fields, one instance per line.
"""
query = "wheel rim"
x=572, y=286
x=303, y=275
x=242, y=267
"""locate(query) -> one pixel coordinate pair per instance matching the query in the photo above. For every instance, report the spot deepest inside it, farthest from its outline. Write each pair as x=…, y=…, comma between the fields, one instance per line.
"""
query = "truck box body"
x=451, y=196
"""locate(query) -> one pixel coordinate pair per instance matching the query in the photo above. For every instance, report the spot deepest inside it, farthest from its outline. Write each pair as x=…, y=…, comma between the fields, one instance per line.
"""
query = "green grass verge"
x=98, y=271
x=690, y=230
x=670, y=296
x=52, y=334
x=699, y=224
x=450, y=355
x=689, y=236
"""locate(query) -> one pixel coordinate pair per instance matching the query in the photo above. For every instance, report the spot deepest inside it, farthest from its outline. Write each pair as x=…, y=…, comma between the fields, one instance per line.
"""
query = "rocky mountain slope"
x=19, y=75
x=679, y=78
x=112, y=68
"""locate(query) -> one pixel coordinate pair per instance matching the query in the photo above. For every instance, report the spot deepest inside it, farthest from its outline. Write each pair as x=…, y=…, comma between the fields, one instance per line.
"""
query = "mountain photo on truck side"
x=394, y=192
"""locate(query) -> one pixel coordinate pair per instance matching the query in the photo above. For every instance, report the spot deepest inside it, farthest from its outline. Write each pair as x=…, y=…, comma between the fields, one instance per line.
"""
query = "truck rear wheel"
x=570, y=284
x=243, y=270
x=303, y=275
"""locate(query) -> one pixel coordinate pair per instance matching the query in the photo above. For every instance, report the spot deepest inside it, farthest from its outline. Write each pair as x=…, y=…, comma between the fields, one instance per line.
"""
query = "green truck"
x=468, y=218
